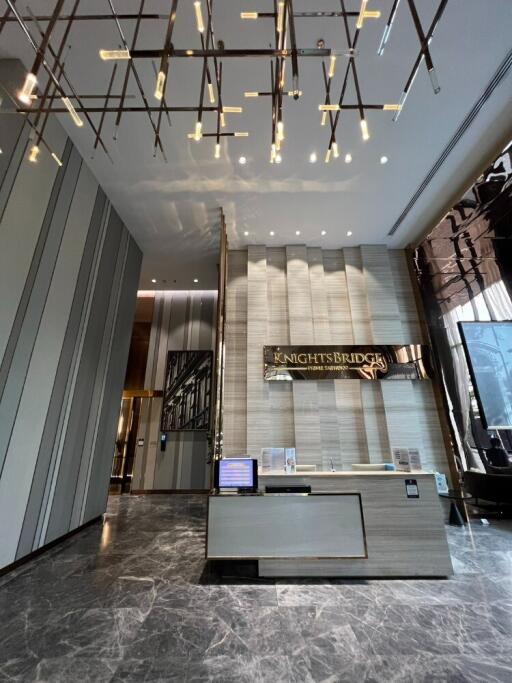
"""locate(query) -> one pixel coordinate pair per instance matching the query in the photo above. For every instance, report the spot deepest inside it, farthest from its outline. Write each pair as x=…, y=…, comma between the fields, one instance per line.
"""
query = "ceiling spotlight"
x=297, y=232
x=242, y=161
x=349, y=233
x=384, y=160
x=246, y=234
x=196, y=281
x=324, y=232
x=312, y=158
x=153, y=280
x=348, y=158
x=271, y=233
x=278, y=159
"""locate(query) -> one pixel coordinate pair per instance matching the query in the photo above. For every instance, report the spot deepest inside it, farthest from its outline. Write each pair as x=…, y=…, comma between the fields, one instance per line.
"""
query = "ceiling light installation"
x=286, y=48
x=47, y=89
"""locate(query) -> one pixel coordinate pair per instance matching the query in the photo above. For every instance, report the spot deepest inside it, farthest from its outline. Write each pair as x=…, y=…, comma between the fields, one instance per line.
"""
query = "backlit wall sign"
x=372, y=362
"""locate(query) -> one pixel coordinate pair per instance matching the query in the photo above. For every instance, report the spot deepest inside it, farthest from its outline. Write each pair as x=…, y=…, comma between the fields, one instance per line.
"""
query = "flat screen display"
x=488, y=349
x=237, y=473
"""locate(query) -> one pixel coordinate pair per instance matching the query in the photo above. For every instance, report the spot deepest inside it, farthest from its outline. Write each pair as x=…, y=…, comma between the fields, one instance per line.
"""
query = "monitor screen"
x=237, y=473
x=488, y=349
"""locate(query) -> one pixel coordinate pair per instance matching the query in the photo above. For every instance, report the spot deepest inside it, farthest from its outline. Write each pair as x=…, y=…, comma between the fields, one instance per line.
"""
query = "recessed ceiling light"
x=278, y=158
x=242, y=161
x=271, y=233
x=153, y=280
x=312, y=158
x=349, y=233
x=324, y=232
x=348, y=158
x=384, y=160
x=196, y=280
x=246, y=233
x=297, y=232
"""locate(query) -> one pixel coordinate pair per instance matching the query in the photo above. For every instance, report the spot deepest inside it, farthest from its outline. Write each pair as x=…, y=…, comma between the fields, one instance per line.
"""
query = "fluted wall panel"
x=372, y=404
x=356, y=295
x=305, y=394
x=235, y=339
x=259, y=428
x=278, y=332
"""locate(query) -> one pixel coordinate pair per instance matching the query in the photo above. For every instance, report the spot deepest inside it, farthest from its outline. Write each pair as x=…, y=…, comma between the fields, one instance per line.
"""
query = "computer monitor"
x=236, y=473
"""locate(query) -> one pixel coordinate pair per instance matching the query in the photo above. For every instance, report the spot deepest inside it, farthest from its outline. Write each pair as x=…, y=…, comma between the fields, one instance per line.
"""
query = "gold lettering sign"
x=347, y=362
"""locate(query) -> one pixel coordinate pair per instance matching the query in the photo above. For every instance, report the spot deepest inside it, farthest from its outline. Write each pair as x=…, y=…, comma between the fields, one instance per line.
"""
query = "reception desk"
x=353, y=524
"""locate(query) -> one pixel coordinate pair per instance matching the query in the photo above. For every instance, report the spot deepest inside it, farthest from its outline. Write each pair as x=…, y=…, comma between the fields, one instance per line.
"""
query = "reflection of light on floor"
x=105, y=536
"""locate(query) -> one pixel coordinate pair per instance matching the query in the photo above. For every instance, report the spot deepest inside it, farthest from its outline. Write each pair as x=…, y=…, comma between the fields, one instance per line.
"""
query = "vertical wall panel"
x=25, y=326
x=330, y=451
x=375, y=427
x=352, y=436
x=399, y=399
x=59, y=432
x=259, y=430
x=20, y=227
x=305, y=394
x=30, y=538
x=278, y=332
x=235, y=339
x=76, y=425
x=96, y=499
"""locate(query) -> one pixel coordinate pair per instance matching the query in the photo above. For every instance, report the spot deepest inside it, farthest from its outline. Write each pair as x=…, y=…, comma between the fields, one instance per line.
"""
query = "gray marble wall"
x=299, y=295
x=68, y=280
x=181, y=321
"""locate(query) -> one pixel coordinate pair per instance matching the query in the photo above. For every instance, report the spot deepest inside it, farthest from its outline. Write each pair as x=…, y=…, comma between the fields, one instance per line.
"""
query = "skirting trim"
x=48, y=546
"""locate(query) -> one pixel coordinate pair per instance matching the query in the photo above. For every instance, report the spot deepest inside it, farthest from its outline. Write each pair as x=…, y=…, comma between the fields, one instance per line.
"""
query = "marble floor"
x=134, y=601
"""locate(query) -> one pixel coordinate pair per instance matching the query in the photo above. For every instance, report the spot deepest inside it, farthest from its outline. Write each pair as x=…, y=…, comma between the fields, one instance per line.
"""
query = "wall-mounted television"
x=488, y=350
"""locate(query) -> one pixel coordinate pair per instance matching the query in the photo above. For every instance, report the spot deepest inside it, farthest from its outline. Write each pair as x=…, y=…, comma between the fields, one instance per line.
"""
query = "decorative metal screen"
x=187, y=392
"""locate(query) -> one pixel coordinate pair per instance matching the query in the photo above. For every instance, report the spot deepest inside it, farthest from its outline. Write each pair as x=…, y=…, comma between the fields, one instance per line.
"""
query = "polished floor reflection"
x=134, y=601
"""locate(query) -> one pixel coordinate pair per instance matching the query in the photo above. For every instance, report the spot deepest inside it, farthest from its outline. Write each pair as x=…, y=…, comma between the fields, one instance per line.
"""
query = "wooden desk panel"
x=405, y=536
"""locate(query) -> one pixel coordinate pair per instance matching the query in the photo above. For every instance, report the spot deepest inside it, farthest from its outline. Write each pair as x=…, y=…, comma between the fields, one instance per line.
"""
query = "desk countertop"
x=347, y=473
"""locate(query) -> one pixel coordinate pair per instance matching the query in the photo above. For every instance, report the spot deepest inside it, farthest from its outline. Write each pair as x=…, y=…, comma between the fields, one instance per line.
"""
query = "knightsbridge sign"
x=411, y=361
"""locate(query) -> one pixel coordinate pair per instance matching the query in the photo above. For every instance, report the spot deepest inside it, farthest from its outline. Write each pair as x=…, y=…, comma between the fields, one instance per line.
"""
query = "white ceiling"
x=172, y=209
